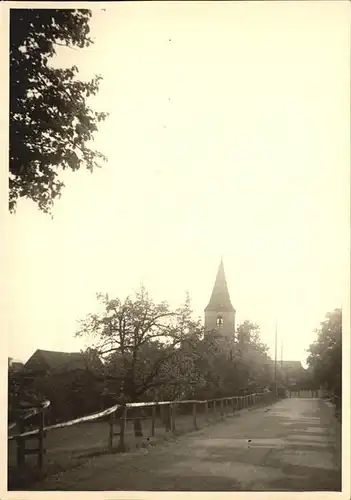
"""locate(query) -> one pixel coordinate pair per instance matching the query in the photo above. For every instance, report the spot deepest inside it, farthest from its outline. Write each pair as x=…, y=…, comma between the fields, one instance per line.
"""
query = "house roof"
x=293, y=365
x=57, y=360
x=296, y=365
x=220, y=299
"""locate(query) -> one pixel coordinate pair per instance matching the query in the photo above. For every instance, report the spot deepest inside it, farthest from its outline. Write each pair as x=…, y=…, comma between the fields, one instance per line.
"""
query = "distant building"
x=66, y=379
x=53, y=361
x=15, y=366
x=290, y=373
x=220, y=313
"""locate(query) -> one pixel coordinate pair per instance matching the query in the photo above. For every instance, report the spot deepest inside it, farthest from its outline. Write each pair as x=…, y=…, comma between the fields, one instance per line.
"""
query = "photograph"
x=178, y=247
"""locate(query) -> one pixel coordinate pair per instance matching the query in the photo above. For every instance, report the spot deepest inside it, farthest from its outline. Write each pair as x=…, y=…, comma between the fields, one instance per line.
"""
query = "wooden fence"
x=305, y=393
x=119, y=414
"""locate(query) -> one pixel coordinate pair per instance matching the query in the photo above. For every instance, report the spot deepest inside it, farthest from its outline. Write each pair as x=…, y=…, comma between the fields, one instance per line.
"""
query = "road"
x=293, y=445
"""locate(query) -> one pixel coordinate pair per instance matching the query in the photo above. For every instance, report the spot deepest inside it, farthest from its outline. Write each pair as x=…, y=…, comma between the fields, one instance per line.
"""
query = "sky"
x=228, y=135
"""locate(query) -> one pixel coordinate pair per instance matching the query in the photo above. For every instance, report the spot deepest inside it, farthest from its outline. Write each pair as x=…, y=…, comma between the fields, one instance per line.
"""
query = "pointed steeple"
x=220, y=299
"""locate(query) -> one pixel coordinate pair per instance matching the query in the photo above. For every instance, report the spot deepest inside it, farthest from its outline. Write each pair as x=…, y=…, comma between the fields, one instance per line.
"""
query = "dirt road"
x=294, y=445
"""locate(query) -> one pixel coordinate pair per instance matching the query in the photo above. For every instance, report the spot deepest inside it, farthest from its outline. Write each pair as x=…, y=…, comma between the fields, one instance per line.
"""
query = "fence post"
x=125, y=418
x=162, y=414
x=206, y=410
x=222, y=408
x=138, y=430
x=20, y=444
x=214, y=408
x=153, y=419
x=172, y=413
x=111, y=430
x=122, y=423
x=41, y=439
x=194, y=416
x=167, y=417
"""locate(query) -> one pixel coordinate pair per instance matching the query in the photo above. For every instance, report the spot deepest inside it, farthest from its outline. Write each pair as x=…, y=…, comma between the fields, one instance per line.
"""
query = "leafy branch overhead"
x=51, y=121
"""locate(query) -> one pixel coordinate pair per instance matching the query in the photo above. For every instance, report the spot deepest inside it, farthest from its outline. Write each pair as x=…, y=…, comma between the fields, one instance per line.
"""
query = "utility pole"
x=275, y=356
x=281, y=361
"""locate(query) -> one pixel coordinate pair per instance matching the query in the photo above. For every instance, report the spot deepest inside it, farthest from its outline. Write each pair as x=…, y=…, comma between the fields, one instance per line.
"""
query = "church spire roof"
x=220, y=299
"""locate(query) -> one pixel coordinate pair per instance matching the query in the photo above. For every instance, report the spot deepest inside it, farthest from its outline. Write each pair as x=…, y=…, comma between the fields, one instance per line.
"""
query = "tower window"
x=219, y=321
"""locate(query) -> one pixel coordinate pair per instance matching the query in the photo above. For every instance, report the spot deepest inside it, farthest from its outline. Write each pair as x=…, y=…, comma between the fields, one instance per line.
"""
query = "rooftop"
x=220, y=299
x=57, y=360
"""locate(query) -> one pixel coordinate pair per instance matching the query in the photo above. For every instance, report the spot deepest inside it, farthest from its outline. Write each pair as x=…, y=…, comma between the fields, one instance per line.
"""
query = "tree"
x=229, y=369
x=146, y=346
x=20, y=393
x=50, y=118
x=251, y=356
x=72, y=393
x=326, y=353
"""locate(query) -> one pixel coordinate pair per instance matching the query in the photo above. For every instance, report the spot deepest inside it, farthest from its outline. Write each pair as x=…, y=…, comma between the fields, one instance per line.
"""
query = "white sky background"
x=228, y=134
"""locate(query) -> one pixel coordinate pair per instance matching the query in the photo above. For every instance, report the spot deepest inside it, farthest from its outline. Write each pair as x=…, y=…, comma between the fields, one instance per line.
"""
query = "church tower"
x=220, y=313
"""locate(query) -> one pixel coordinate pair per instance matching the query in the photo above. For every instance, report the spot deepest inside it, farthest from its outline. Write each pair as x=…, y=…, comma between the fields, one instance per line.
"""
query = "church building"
x=220, y=313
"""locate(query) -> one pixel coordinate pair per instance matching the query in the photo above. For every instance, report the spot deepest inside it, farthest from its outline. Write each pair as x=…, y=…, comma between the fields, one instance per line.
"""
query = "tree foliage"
x=51, y=121
x=152, y=352
x=146, y=346
x=325, y=356
x=71, y=392
x=251, y=356
x=242, y=366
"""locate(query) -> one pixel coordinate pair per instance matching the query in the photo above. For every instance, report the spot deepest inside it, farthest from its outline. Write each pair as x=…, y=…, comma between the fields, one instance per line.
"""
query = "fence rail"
x=30, y=412
x=112, y=409
x=305, y=393
x=168, y=412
